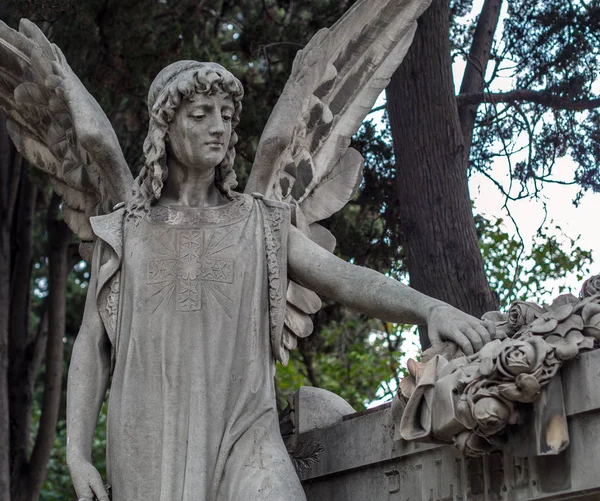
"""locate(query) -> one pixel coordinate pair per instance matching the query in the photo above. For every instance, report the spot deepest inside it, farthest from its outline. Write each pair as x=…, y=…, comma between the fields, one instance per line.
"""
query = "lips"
x=215, y=143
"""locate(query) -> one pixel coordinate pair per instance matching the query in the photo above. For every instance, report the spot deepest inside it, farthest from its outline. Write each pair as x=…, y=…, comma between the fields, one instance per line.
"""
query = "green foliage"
x=354, y=357
x=531, y=273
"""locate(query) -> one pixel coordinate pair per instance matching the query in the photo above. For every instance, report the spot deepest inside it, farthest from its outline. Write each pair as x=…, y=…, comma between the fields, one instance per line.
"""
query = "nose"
x=217, y=125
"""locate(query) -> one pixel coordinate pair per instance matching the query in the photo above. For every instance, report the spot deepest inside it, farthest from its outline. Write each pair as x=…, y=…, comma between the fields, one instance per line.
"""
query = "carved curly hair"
x=178, y=82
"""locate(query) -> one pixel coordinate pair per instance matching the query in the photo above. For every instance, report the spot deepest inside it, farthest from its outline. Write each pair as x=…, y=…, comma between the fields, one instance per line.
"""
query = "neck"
x=191, y=187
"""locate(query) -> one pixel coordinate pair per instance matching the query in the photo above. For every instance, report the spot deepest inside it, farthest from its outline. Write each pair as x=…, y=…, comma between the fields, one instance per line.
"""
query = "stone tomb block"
x=360, y=460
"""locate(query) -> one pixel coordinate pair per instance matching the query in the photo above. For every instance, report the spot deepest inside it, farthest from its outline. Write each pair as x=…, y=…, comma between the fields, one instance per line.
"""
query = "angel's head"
x=192, y=87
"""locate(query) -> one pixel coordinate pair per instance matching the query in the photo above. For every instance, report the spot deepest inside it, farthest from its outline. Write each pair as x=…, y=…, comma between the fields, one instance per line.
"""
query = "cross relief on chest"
x=192, y=266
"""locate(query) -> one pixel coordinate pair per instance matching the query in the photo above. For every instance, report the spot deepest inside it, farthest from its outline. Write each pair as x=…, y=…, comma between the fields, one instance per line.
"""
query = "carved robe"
x=191, y=300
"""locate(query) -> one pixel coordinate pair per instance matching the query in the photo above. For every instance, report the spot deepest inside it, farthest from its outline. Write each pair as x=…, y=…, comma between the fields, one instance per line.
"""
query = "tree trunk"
x=59, y=237
x=21, y=375
x=6, y=159
x=438, y=228
x=21, y=476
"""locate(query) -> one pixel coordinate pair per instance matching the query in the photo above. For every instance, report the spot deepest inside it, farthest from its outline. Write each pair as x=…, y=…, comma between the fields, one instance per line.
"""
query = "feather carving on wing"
x=304, y=155
x=59, y=128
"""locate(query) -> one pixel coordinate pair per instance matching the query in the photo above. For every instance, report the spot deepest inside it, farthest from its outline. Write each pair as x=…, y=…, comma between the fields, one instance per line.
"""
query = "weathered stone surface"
x=320, y=408
x=361, y=461
x=473, y=401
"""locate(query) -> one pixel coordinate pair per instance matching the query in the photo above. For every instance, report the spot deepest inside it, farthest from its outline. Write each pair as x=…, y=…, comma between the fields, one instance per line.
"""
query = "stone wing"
x=60, y=128
x=304, y=155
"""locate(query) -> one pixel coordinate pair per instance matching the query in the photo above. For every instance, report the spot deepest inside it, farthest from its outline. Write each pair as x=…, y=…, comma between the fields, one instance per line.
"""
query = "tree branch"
x=479, y=55
x=307, y=358
x=378, y=108
x=38, y=344
x=531, y=96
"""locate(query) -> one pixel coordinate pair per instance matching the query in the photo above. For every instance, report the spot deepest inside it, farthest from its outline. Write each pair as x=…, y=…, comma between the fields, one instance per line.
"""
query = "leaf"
x=305, y=454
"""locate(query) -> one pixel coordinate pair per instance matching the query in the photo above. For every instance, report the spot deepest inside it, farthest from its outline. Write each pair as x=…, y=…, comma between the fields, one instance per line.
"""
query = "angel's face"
x=199, y=133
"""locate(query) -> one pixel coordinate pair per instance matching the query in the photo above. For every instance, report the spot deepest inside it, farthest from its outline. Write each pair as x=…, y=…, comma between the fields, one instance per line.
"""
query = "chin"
x=207, y=163
x=210, y=159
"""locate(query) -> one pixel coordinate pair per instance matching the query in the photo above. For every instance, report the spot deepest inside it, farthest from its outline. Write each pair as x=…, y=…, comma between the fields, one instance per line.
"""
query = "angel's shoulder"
x=276, y=205
x=109, y=227
x=278, y=216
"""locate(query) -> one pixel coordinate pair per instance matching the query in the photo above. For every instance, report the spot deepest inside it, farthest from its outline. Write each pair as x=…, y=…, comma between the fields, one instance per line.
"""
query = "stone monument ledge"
x=359, y=456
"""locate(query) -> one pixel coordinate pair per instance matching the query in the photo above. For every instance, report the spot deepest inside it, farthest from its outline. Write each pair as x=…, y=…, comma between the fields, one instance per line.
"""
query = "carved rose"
x=471, y=444
x=591, y=286
x=525, y=389
x=522, y=313
x=491, y=415
x=591, y=319
x=518, y=357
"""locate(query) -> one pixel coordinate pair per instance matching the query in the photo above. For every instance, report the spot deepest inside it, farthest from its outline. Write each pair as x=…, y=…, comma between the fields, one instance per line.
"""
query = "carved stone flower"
x=471, y=444
x=525, y=388
x=591, y=320
x=590, y=287
x=522, y=313
x=519, y=357
x=188, y=268
x=491, y=415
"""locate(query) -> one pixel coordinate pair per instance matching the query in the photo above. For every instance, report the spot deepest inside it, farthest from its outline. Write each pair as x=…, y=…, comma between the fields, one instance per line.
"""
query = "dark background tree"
x=415, y=217
x=550, y=51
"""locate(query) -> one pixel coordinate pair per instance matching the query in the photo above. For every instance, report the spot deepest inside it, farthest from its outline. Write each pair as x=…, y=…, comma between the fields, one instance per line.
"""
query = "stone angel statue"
x=197, y=290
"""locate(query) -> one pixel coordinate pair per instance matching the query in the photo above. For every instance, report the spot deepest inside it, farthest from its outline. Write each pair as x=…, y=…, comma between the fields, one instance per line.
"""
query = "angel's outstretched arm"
x=88, y=380
x=375, y=294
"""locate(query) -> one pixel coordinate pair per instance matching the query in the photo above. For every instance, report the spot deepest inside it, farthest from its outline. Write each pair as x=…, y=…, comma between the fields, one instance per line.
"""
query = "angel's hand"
x=448, y=323
x=86, y=480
